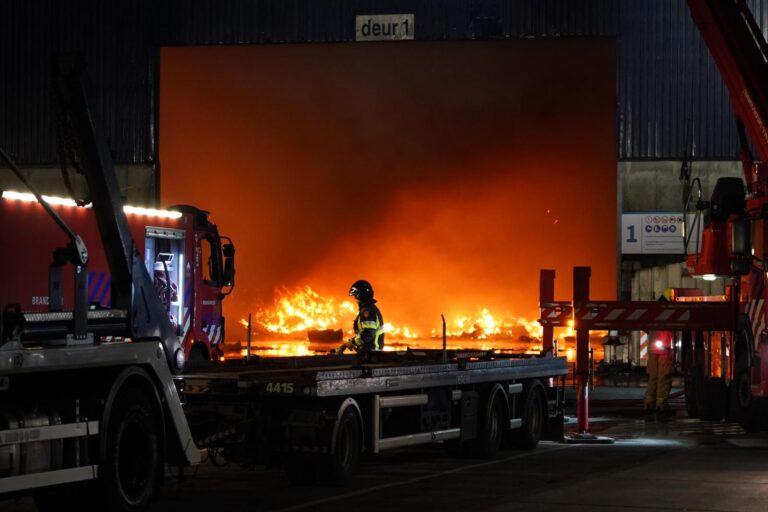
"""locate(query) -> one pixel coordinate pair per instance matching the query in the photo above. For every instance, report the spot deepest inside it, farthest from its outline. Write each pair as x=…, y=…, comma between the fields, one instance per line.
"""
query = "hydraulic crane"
x=723, y=340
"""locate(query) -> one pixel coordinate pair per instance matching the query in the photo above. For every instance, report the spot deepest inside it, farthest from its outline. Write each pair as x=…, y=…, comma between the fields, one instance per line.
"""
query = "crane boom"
x=740, y=51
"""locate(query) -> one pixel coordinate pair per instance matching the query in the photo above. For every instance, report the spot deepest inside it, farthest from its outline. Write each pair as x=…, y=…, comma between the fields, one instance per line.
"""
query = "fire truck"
x=95, y=400
x=191, y=264
x=723, y=340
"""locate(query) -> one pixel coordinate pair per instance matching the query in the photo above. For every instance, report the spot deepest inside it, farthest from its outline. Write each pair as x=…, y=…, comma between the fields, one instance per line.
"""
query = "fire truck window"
x=758, y=248
x=210, y=262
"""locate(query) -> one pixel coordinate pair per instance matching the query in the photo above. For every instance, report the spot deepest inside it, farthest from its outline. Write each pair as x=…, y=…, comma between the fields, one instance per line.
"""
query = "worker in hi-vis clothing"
x=660, y=366
x=369, y=324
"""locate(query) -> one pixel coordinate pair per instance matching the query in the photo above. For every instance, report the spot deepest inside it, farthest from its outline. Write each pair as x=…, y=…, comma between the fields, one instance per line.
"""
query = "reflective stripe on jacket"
x=369, y=328
x=661, y=342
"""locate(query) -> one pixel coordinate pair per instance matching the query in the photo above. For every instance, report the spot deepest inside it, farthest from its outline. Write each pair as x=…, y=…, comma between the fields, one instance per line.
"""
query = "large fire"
x=449, y=204
x=299, y=311
x=283, y=327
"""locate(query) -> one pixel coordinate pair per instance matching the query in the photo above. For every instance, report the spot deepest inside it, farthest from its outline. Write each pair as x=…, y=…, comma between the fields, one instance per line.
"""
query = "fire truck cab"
x=192, y=266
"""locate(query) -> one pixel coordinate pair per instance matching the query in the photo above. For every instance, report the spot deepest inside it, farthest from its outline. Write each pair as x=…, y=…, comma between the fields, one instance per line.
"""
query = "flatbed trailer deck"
x=321, y=412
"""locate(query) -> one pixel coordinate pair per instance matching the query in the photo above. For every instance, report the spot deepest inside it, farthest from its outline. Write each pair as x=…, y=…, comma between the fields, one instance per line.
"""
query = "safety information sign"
x=658, y=233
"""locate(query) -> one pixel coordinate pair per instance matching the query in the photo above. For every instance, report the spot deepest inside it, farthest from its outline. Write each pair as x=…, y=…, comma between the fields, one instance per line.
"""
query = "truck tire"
x=335, y=469
x=742, y=404
x=340, y=466
x=131, y=474
x=198, y=353
x=492, y=427
x=533, y=414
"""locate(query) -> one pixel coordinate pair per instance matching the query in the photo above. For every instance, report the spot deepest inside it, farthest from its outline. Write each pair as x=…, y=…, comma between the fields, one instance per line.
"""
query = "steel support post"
x=547, y=295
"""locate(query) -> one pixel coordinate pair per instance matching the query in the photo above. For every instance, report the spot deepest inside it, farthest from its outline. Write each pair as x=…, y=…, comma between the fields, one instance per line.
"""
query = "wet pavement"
x=656, y=463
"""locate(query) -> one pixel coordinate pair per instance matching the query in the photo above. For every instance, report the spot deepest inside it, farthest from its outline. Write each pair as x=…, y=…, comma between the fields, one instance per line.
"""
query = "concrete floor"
x=679, y=464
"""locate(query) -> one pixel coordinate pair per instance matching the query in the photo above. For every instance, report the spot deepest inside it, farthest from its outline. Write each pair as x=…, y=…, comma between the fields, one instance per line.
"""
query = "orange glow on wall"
x=446, y=173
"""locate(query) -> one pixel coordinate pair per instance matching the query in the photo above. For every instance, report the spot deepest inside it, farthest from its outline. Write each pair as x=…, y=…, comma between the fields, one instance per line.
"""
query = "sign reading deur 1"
x=384, y=27
x=658, y=233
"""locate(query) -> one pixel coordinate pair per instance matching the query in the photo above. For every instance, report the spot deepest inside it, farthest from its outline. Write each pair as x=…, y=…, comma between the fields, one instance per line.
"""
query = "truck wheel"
x=528, y=435
x=335, y=469
x=742, y=403
x=492, y=427
x=198, y=353
x=133, y=468
x=341, y=465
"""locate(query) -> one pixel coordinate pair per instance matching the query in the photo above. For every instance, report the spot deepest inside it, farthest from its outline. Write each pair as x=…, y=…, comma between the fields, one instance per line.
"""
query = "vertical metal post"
x=375, y=424
x=445, y=354
x=248, y=340
x=77, y=439
x=583, y=357
x=580, y=298
x=81, y=302
x=546, y=295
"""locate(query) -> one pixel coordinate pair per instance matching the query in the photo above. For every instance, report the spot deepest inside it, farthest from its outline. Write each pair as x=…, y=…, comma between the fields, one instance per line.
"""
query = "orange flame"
x=300, y=311
x=282, y=330
x=304, y=309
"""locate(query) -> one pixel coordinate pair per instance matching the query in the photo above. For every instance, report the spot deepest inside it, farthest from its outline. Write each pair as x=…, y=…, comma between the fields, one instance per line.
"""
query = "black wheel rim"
x=744, y=390
x=495, y=428
x=134, y=461
x=344, y=454
x=534, y=415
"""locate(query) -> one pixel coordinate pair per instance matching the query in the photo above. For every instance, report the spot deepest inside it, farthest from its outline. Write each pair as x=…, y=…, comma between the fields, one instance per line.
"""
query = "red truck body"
x=180, y=241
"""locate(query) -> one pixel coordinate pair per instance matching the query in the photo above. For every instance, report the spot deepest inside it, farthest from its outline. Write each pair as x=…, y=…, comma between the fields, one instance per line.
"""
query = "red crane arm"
x=741, y=54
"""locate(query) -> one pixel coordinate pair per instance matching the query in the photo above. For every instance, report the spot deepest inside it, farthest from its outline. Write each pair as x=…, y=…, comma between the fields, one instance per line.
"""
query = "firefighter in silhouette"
x=166, y=288
x=660, y=367
x=369, y=324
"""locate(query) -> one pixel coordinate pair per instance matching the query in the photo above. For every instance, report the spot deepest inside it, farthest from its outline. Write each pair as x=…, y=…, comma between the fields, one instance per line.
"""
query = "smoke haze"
x=446, y=173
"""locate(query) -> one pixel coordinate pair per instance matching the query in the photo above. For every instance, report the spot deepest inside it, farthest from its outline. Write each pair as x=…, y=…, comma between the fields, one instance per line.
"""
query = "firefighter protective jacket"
x=369, y=328
x=661, y=342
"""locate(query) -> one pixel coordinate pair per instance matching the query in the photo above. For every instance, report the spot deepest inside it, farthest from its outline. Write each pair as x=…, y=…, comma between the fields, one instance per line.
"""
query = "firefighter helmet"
x=361, y=290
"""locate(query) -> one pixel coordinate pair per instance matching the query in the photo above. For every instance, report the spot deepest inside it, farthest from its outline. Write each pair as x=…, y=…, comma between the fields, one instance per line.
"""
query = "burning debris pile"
x=303, y=314
x=294, y=314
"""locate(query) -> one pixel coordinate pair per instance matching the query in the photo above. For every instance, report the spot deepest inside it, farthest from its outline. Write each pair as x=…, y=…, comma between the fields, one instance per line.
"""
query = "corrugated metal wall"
x=185, y=22
x=666, y=77
x=665, y=74
x=115, y=39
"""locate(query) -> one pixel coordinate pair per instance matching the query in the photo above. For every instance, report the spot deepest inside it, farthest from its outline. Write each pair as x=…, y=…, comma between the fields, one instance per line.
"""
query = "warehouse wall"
x=666, y=81
x=654, y=186
x=137, y=182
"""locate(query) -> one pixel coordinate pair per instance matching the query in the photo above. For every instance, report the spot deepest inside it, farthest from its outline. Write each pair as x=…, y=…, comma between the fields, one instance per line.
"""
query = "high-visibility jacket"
x=661, y=342
x=369, y=328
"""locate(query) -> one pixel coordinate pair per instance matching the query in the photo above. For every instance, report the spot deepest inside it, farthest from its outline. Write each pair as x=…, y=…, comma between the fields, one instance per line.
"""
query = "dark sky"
x=446, y=173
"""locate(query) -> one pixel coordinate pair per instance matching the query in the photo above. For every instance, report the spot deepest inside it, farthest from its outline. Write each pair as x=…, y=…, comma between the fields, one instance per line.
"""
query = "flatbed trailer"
x=315, y=415
x=95, y=402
